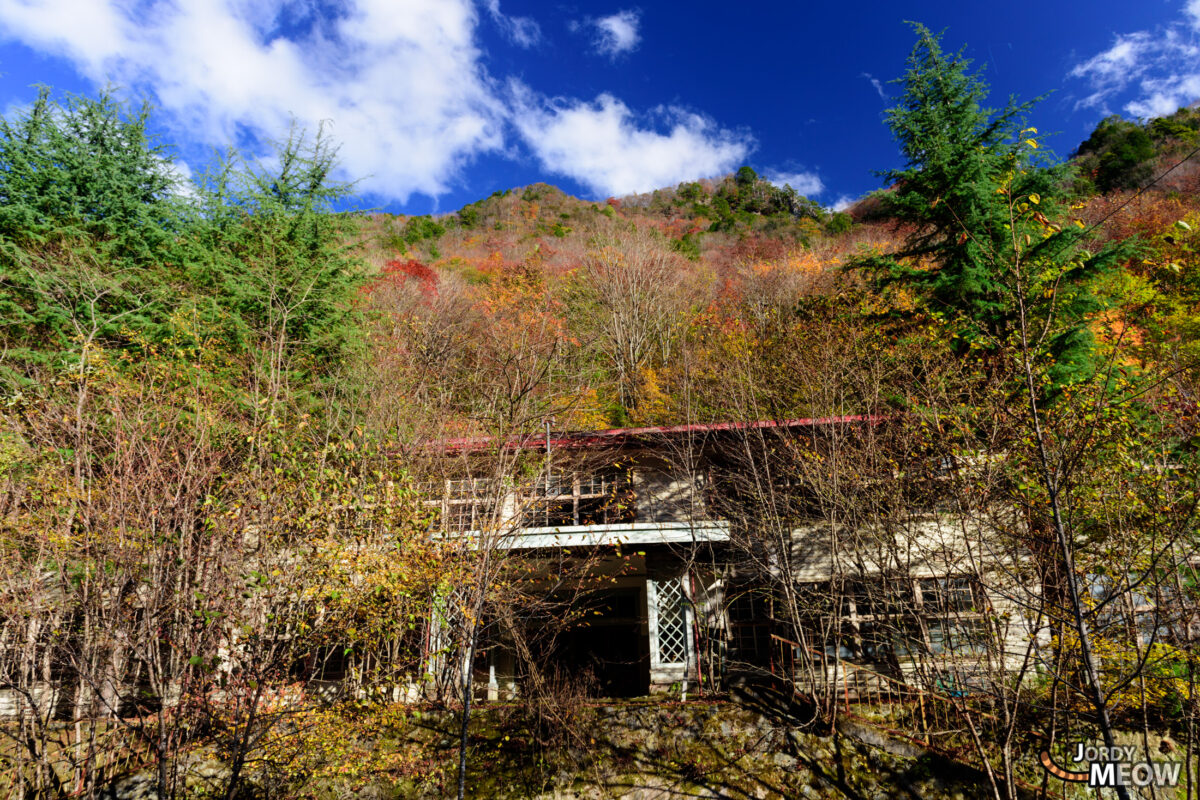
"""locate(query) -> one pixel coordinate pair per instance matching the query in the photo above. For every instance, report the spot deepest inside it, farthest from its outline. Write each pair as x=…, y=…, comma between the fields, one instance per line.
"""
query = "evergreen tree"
x=991, y=253
x=89, y=211
x=85, y=166
x=982, y=202
x=269, y=256
x=100, y=248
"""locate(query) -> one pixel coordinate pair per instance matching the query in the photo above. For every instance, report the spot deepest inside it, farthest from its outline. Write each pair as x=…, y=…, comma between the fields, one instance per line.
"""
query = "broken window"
x=463, y=504
x=601, y=497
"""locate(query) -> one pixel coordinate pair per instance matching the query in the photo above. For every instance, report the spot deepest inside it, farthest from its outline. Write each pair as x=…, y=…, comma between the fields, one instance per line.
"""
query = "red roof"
x=620, y=435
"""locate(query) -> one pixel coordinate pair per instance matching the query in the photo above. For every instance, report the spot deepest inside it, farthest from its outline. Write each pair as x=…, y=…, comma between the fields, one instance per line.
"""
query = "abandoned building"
x=683, y=559
x=706, y=568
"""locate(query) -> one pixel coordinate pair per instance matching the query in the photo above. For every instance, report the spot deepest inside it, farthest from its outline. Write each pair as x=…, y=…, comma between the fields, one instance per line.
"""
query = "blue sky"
x=438, y=103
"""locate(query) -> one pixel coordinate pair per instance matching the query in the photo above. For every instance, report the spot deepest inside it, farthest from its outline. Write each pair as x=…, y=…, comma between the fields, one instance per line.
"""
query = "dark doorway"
x=607, y=649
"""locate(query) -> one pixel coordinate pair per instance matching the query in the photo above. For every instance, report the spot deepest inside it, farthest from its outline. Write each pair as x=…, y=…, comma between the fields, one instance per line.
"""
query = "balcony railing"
x=566, y=509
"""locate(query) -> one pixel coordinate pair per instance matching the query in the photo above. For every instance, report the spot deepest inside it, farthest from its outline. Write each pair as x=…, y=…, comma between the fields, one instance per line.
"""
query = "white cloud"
x=1118, y=64
x=843, y=202
x=1149, y=73
x=1165, y=96
x=402, y=82
x=523, y=31
x=616, y=33
x=878, y=84
x=602, y=145
x=89, y=31
x=182, y=179
x=805, y=183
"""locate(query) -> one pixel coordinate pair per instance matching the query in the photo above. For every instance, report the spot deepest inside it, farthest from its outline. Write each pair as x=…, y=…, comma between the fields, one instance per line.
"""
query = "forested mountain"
x=222, y=401
x=736, y=251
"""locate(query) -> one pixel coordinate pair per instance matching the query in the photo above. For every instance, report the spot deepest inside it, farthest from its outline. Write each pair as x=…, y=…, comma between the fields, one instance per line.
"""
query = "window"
x=672, y=638
x=909, y=640
x=879, y=621
x=860, y=642
x=749, y=606
x=946, y=595
x=603, y=497
x=324, y=663
x=463, y=504
x=749, y=611
x=958, y=637
x=851, y=620
x=1141, y=609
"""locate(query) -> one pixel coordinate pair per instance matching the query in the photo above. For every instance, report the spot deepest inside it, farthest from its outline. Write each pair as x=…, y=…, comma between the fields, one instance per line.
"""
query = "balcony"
x=579, y=509
x=624, y=533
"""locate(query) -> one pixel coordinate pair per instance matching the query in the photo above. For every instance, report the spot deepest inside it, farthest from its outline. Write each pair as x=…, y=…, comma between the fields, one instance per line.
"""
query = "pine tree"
x=983, y=201
x=89, y=210
x=271, y=254
x=85, y=167
x=992, y=254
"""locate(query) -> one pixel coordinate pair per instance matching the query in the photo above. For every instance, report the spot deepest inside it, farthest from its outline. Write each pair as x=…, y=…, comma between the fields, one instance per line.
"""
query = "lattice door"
x=672, y=637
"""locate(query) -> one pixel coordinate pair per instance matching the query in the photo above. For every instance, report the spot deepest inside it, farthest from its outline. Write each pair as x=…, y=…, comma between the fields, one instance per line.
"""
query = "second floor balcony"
x=629, y=505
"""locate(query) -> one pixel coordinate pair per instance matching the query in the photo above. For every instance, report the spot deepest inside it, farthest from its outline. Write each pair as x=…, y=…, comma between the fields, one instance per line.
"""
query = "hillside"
x=740, y=217
x=733, y=250
x=287, y=491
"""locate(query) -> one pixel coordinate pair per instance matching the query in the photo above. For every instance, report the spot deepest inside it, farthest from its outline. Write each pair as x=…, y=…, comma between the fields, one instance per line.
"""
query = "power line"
x=1141, y=191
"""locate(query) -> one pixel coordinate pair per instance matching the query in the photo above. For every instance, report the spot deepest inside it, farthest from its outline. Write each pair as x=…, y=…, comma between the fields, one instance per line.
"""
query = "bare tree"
x=642, y=293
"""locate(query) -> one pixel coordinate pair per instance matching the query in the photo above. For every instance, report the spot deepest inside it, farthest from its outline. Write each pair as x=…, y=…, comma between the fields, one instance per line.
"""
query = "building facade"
x=706, y=572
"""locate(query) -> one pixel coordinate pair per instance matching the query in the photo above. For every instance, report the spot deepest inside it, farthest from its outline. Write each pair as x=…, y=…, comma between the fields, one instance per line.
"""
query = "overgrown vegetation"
x=219, y=399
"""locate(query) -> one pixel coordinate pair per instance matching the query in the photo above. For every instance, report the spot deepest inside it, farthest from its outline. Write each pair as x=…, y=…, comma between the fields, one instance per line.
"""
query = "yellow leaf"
x=1035, y=198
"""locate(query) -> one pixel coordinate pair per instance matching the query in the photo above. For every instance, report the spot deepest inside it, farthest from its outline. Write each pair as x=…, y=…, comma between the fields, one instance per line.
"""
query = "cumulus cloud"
x=843, y=202
x=604, y=146
x=1165, y=96
x=806, y=183
x=616, y=34
x=523, y=31
x=402, y=82
x=1148, y=73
